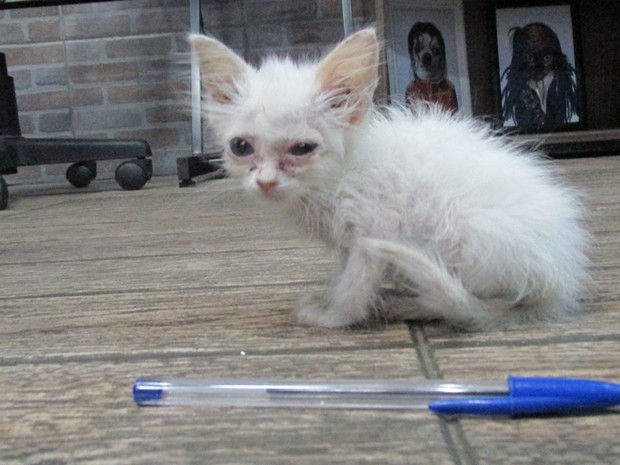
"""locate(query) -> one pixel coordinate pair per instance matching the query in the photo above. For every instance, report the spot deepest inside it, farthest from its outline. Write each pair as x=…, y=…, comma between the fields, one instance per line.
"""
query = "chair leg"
x=9, y=119
x=4, y=194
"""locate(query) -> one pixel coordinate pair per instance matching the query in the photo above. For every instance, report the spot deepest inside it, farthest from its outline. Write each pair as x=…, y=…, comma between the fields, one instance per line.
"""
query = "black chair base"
x=16, y=151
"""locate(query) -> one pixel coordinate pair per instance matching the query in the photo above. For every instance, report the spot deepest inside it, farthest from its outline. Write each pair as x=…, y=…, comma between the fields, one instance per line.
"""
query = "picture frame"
x=539, y=86
x=404, y=83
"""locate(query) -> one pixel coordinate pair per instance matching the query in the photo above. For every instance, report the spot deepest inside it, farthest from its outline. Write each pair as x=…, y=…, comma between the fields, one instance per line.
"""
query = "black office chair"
x=16, y=150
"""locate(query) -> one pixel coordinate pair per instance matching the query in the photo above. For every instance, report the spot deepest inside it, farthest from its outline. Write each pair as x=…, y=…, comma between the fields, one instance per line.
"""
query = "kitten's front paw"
x=314, y=310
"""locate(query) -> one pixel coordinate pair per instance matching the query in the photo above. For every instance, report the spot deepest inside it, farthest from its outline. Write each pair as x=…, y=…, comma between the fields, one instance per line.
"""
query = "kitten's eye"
x=241, y=147
x=303, y=148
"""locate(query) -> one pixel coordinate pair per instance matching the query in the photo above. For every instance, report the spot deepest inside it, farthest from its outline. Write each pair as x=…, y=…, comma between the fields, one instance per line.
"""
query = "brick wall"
x=106, y=70
x=257, y=27
x=120, y=69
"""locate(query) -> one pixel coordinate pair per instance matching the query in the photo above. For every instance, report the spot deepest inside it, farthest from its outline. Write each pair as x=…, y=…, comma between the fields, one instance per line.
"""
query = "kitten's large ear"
x=221, y=69
x=349, y=74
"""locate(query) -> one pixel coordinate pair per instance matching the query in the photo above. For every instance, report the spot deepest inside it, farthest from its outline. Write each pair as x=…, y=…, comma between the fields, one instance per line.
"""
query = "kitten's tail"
x=439, y=292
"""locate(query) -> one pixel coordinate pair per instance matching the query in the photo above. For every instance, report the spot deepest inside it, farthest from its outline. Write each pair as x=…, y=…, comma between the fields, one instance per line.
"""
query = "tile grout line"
x=115, y=357
x=458, y=446
x=557, y=339
x=159, y=255
x=149, y=290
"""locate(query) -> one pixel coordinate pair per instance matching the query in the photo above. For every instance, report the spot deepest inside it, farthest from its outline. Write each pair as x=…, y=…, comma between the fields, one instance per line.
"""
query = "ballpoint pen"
x=518, y=396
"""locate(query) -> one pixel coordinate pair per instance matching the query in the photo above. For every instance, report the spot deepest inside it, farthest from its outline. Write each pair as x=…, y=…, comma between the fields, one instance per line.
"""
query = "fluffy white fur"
x=480, y=231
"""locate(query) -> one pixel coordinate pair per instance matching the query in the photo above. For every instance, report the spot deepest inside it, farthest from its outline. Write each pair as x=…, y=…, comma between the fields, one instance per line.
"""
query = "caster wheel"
x=147, y=164
x=4, y=194
x=80, y=174
x=131, y=176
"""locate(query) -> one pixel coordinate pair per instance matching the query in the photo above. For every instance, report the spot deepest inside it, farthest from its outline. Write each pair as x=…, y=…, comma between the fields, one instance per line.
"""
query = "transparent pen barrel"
x=352, y=394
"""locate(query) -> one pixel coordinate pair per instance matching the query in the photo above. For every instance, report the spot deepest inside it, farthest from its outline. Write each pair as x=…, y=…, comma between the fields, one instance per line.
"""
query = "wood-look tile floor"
x=100, y=286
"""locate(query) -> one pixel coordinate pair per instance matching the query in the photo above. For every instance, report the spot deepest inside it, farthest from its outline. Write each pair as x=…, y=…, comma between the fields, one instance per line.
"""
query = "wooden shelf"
x=575, y=143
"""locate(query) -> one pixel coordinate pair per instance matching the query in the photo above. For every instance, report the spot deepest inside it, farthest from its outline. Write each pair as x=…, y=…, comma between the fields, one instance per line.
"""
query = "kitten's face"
x=283, y=125
x=271, y=132
x=280, y=168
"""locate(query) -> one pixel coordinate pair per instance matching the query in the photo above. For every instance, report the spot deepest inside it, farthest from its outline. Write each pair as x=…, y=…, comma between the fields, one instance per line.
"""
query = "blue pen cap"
x=537, y=396
x=147, y=392
x=514, y=407
x=588, y=391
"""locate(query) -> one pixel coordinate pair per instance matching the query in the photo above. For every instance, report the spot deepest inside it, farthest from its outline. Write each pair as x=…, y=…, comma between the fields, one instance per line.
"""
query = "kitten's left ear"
x=348, y=75
x=221, y=69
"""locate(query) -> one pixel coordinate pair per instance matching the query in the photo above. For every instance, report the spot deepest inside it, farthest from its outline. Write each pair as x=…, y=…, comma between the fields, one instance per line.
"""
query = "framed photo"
x=539, y=78
x=426, y=53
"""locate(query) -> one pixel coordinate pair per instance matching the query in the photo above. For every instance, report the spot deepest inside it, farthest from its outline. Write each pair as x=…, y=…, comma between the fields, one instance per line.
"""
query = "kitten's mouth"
x=272, y=195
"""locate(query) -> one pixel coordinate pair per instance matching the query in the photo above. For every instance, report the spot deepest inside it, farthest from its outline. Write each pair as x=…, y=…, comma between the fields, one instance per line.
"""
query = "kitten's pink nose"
x=267, y=186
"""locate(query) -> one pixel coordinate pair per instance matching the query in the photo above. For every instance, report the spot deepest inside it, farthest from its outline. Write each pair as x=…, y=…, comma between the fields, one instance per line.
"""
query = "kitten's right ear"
x=221, y=69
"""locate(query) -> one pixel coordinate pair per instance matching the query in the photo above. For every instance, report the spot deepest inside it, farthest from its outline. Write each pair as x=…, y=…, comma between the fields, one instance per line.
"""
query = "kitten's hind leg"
x=350, y=296
x=402, y=304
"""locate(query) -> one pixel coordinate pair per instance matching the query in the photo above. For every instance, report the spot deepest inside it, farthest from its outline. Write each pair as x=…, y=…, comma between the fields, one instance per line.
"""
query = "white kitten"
x=479, y=230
